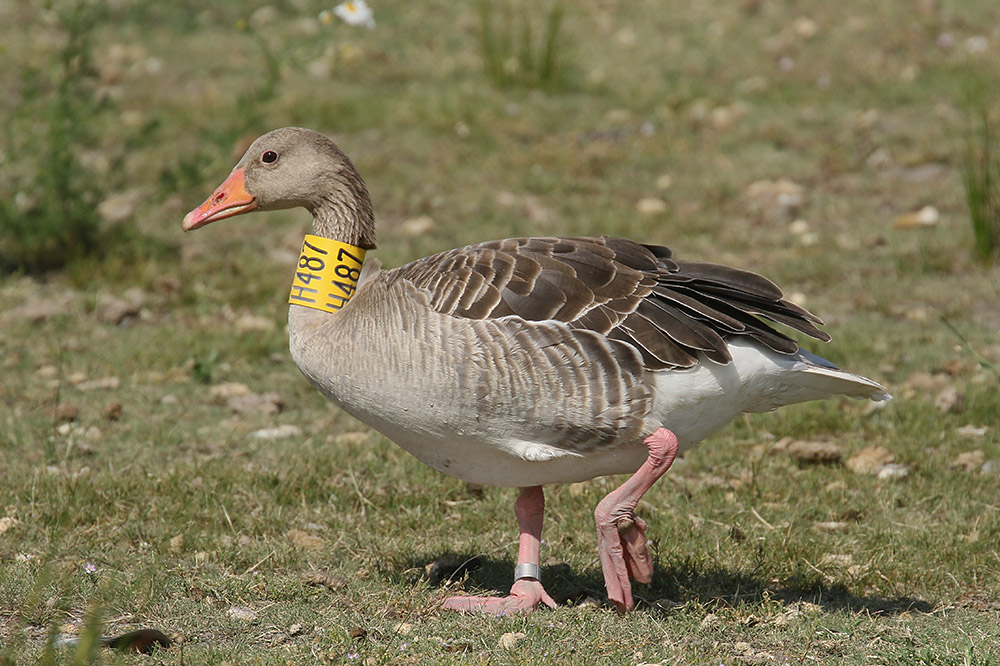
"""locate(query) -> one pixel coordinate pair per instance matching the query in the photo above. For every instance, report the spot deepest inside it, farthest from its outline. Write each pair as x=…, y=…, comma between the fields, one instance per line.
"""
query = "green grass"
x=185, y=516
x=981, y=177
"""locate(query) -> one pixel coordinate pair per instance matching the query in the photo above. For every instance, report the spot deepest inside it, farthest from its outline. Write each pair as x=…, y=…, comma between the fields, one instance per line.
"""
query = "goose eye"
x=269, y=157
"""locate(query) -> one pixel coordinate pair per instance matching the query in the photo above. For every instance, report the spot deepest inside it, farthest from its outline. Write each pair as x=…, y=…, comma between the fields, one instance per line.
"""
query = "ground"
x=165, y=465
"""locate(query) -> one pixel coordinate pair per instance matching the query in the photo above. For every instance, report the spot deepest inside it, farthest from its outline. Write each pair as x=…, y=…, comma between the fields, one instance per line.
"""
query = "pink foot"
x=621, y=535
x=525, y=595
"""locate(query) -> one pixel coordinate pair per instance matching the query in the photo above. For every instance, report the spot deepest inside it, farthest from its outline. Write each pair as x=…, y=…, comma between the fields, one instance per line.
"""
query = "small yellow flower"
x=356, y=12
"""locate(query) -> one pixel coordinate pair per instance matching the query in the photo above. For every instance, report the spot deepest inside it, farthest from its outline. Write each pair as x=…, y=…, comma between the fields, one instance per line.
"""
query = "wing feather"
x=669, y=311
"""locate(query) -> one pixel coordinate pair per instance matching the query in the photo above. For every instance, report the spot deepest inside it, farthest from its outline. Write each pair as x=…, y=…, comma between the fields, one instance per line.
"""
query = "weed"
x=981, y=177
x=48, y=205
x=510, y=55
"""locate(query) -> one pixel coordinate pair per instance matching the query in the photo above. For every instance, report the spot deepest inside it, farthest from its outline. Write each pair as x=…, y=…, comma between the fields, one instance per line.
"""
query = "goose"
x=527, y=361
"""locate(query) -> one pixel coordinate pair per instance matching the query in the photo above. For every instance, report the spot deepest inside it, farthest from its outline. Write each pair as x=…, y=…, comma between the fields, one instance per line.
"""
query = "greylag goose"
x=527, y=361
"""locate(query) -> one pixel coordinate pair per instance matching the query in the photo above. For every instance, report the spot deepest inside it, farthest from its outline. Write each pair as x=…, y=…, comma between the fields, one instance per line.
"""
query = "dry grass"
x=186, y=516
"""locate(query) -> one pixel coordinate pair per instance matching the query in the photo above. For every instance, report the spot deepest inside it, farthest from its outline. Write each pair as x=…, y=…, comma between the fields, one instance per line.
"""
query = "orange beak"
x=230, y=198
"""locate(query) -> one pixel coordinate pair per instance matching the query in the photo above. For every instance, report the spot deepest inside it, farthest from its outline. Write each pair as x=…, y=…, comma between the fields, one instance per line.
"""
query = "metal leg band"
x=527, y=570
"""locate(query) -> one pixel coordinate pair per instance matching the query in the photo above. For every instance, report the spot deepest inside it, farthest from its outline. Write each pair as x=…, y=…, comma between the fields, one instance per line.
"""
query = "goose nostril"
x=219, y=196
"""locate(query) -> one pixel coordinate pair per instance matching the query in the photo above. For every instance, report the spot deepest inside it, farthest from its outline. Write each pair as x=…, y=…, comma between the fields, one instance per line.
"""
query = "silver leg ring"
x=528, y=570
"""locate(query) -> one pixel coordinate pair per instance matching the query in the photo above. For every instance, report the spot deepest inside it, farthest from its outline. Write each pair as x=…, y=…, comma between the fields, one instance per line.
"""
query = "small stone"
x=304, y=540
x=113, y=310
x=323, y=579
x=242, y=614
x=869, y=460
x=201, y=557
x=948, y=400
x=744, y=648
x=252, y=404
x=254, y=323
x=351, y=438
x=969, y=461
x=417, y=226
x=971, y=431
x=879, y=159
x=403, y=628
x=927, y=216
x=709, y=621
x=804, y=27
x=228, y=390
x=177, y=543
x=120, y=206
x=295, y=629
x=815, y=451
x=114, y=411
x=831, y=526
x=650, y=206
x=102, y=384
x=837, y=560
x=279, y=432
x=6, y=523
x=774, y=200
x=65, y=412
x=169, y=399
x=893, y=472
x=664, y=182
x=510, y=639
x=798, y=227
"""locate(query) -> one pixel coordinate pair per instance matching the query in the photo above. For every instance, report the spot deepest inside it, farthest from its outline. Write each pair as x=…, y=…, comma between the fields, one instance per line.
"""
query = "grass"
x=185, y=516
x=509, y=52
x=981, y=177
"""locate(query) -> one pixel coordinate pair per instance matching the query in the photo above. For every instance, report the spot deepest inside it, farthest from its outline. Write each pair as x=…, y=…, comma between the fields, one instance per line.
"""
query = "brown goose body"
x=544, y=360
x=529, y=361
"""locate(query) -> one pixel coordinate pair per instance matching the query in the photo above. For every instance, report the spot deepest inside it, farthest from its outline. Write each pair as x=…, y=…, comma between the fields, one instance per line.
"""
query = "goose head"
x=295, y=167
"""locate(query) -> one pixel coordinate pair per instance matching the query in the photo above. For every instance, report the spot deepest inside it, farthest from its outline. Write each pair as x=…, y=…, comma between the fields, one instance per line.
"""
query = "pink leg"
x=621, y=535
x=526, y=593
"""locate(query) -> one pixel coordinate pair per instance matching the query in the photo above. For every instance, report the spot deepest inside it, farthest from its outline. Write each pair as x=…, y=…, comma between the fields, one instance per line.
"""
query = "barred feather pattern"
x=670, y=311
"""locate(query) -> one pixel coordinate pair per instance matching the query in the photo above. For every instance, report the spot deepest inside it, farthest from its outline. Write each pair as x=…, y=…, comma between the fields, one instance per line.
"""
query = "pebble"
x=102, y=384
x=417, y=226
x=971, y=431
x=893, y=472
x=304, y=540
x=250, y=404
x=928, y=216
x=242, y=614
x=969, y=461
x=870, y=460
x=948, y=400
x=650, y=206
x=815, y=451
x=228, y=390
x=278, y=432
x=114, y=310
x=831, y=526
x=774, y=199
x=805, y=27
x=6, y=523
x=252, y=323
x=510, y=639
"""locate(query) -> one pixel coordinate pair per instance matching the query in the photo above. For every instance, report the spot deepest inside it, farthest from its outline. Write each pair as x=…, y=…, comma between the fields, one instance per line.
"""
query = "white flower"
x=356, y=12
